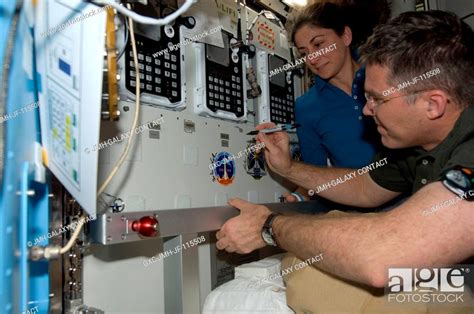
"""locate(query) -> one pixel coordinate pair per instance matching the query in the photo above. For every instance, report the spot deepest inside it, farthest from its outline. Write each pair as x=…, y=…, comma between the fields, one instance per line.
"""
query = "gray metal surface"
x=113, y=228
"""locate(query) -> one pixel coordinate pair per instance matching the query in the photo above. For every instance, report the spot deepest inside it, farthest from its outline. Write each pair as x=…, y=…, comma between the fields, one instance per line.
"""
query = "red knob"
x=147, y=226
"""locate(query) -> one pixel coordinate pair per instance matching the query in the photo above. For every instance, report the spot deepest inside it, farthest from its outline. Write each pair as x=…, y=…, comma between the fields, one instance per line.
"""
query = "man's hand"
x=243, y=234
x=277, y=149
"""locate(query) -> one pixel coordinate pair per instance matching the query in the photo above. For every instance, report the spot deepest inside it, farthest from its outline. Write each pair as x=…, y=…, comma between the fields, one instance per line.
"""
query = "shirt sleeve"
x=390, y=175
x=462, y=156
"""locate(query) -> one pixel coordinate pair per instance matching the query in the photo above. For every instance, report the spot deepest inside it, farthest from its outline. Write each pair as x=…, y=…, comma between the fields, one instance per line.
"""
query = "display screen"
x=274, y=63
x=219, y=55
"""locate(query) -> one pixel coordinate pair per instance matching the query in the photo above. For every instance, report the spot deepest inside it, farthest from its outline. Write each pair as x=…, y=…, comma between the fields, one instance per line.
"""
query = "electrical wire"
x=467, y=16
x=239, y=22
x=137, y=111
x=7, y=61
x=126, y=40
x=247, y=31
x=74, y=236
x=119, y=163
x=145, y=19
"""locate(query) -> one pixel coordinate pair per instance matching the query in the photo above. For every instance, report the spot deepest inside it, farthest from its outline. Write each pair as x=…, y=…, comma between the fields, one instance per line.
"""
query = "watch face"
x=267, y=237
x=460, y=180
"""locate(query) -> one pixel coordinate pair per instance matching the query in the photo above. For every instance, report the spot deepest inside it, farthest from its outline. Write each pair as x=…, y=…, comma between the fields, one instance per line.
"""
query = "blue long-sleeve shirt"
x=333, y=126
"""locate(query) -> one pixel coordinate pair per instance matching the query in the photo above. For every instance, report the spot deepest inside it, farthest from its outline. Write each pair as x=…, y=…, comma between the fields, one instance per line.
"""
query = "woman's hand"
x=277, y=149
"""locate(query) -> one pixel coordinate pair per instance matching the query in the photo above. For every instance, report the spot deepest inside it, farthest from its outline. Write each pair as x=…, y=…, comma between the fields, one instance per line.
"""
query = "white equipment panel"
x=70, y=64
x=161, y=69
x=277, y=102
x=219, y=81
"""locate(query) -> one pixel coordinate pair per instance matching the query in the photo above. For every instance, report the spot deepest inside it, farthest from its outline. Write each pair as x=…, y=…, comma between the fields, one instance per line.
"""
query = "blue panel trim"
x=22, y=245
x=6, y=222
x=23, y=284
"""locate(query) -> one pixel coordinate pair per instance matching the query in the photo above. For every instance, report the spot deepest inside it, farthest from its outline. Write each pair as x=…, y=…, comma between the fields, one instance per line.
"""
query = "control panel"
x=70, y=63
x=276, y=103
x=281, y=92
x=160, y=67
x=219, y=77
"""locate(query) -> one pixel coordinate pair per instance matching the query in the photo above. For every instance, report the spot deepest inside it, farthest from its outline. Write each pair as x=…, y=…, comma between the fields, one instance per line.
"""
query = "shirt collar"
x=319, y=83
x=359, y=79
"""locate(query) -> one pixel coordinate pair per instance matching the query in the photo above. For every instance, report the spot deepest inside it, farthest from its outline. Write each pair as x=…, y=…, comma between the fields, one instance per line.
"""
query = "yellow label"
x=68, y=138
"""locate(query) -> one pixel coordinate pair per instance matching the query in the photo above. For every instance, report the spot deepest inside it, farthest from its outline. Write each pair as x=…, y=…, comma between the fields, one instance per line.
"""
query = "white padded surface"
x=263, y=268
x=249, y=292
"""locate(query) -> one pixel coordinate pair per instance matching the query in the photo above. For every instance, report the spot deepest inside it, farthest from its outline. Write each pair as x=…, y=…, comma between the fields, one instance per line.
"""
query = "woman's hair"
x=321, y=14
x=361, y=16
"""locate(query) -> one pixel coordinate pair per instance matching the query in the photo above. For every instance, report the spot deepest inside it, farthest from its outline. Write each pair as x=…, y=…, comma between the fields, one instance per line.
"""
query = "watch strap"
x=269, y=221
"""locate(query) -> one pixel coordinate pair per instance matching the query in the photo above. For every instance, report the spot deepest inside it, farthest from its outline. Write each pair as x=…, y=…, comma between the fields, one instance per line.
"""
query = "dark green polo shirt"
x=408, y=170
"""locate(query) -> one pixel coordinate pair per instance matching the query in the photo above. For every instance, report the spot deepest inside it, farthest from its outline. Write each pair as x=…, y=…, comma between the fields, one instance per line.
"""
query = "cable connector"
x=49, y=252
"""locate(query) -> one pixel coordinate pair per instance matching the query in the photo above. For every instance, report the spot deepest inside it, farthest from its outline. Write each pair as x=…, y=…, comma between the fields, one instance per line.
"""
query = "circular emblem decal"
x=223, y=168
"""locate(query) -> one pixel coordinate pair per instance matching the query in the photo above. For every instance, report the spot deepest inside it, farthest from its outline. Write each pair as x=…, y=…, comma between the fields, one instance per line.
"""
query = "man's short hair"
x=417, y=42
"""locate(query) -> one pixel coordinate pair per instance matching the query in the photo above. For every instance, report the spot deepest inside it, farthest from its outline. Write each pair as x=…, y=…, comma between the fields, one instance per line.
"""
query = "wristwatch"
x=267, y=231
x=460, y=181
